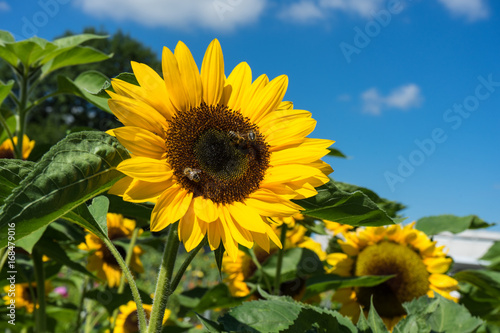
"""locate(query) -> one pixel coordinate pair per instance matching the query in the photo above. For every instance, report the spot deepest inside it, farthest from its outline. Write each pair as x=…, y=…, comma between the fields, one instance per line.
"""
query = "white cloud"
x=403, y=98
x=472, y=10
x=212, y=14
x=361, y=7
x=4, y=6
x=303, y=12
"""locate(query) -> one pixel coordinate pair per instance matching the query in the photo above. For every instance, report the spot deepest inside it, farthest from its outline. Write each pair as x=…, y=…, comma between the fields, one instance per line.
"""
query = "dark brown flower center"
x=411, y=277
x=217, y=153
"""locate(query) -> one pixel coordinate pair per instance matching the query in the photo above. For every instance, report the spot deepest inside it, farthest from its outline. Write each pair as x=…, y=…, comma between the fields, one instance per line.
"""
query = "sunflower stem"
x=277, y=280
x=259, y=267
x=41, y=324
x=128, y=257
x=80, y=304
x=133, y=286
x=164, y=283
x=186, y=263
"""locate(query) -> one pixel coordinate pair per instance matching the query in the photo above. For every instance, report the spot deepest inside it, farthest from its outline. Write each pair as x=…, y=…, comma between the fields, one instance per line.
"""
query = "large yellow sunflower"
x=101, y=260
x=418, y=264
x=127, y=321
x=243, y=268
x=23, y=296
x=219, y=154
x=7, y=150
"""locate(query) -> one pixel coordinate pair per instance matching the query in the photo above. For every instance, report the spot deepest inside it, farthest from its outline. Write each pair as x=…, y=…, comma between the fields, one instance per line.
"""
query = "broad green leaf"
x=99, y=210
x=29, y=51
x=77, y=55
x=297, y=262
x=321, y=283
x=6, y=37
x=433, y=225
x=390, y=207
x=12, y=172
x=336, y=153
x=5, y=90
x=439, y=314
x=375, y=323
x=210, y=326
x=493, y=256
x=28, y=242
x=488, y=281
x=75, y=40
x=62, y=231
x=75, y=170
x=84, y=86
x=356, y=209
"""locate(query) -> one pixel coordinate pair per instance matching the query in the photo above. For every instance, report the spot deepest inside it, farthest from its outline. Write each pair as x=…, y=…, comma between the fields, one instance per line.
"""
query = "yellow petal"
x=247, y=217
x=213, y=234
x=189, y=73
x=257, y=86
x=141, y=142
x=291, y=172
x=443, y=281
x=267, y=203
x=191, y=231
x=230, y=244
x=212, y=73
x=262, y=240
x=268, y=99
x=141, y=191
x=308, y=151
x=240, y=81
x=147, y=169
x=172, y=77
x=205, y=209
x=244, y=238
x=170, y=207
x=121, y=186
x=272, y=235
x=437, y=265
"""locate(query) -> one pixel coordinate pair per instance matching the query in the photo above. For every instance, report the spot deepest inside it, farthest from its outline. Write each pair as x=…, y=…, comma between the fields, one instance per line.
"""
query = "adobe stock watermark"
x=48, y=9
x=453, y=116
x=222, y=7
x=363, y=37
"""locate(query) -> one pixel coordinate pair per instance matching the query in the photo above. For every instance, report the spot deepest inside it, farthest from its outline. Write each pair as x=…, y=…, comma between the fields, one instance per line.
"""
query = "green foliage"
x=436, y=315
x=11, y=174
x=372, y=324
x=433, y=225
x=336, y=153
x=493, y=256
x=334, y=204
x=297, y=262
x=73, y=171
x=488, y=281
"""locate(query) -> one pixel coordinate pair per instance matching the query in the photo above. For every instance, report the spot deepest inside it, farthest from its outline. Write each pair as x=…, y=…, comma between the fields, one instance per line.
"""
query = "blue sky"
x=410, y=90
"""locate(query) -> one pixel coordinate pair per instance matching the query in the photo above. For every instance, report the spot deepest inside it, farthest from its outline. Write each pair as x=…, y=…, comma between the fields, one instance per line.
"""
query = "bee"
x=240, y=138
x=192, y=174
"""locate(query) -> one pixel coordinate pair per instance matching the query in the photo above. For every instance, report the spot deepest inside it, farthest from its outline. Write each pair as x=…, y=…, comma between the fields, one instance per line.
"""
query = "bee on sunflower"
x=220, y=154
x=101, y=260
x=418, y=264
x=7, y=149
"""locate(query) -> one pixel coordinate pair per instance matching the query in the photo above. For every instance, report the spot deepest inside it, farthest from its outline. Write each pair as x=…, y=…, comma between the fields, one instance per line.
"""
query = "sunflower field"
x=209, y=209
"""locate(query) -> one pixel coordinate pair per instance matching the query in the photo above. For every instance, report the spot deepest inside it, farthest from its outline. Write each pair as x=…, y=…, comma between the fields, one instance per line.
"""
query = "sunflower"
x=24, y=295
x=7, y=150
x=337, y=228
x=418, y=264
x=127, y=321
x=218, y=154
x=243, y=268
x=101, y=260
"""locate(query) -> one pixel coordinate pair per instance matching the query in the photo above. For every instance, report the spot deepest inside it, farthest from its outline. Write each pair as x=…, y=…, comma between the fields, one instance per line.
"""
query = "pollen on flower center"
x=216, y=153
x=386, y=258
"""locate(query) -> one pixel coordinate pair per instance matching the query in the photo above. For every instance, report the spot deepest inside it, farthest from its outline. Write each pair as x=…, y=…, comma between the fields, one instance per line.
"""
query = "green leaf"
x=355, y=209
x=438, y=314
x=85, y=86
x=12, y=172
x=297, y=262
x=375, y=323
x=28, y=242
x=136, y=211
x=487, y=281
x=99, y=210
x=219, y=254
x=6, y=37
x=210, y=326
x=433, y=225
x=493, y=256
x=321, y=283
x=29, y=51
x=75, y=170
x=75, y=40
x=336, y=153
x=5, y=90
x=11, y=124
x=77, y=55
